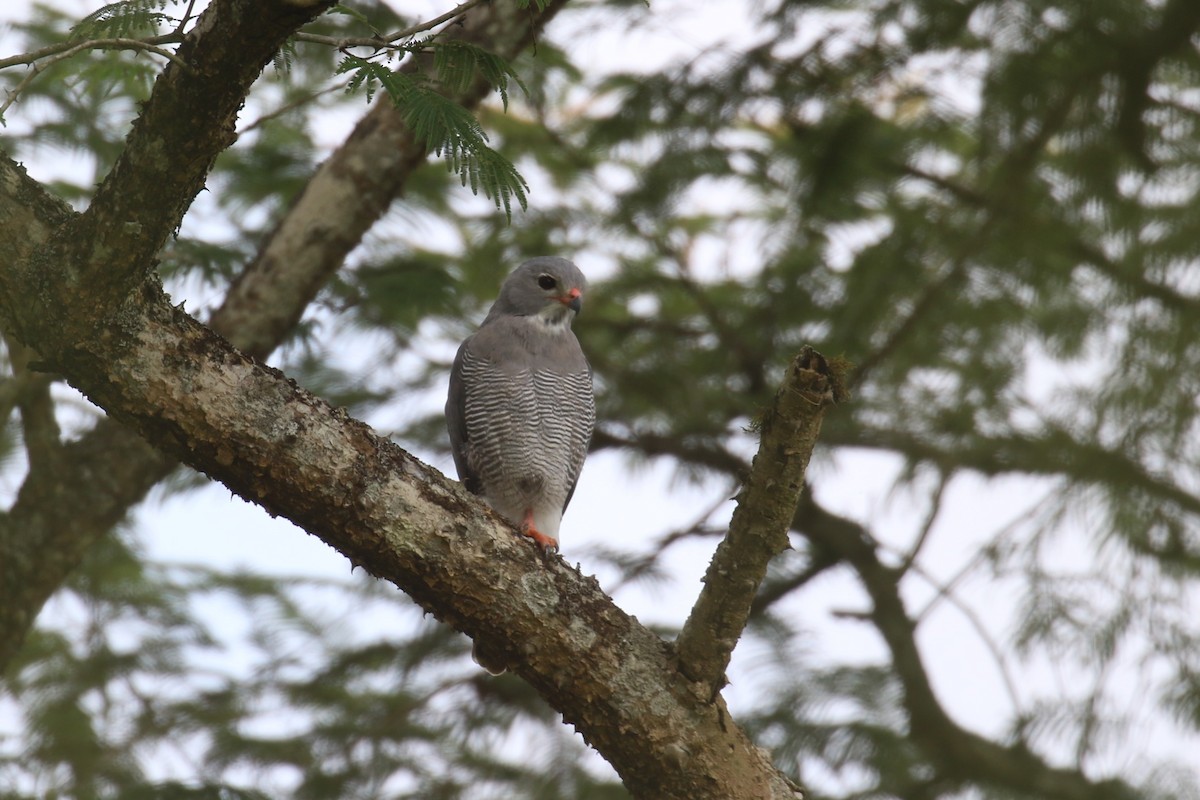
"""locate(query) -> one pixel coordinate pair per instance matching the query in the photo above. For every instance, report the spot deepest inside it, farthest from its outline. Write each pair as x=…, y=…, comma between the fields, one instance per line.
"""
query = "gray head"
x=548, y=287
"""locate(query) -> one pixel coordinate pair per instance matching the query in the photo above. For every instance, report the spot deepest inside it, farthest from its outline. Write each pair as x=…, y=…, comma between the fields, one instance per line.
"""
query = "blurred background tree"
x=990, y=207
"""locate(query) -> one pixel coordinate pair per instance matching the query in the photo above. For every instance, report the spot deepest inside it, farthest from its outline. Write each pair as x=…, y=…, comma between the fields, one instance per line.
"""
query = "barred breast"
x=527, y=435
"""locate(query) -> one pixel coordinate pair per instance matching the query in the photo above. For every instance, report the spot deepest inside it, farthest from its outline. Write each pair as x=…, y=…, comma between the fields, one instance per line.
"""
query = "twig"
x=458, y=10
x=388, y=42
x=646, y=563
x=286, y=107
x=820, y=559
x=749, y=360
x=74, y=46
x=929, y=297
x=935, y=506
x=187, y=16
x=64, y=51
x=946, y=592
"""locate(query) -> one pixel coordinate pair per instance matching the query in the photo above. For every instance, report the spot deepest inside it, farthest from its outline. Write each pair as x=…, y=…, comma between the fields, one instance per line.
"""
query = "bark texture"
x=188, y=120
x=351, y=191
x=64, y=508
x=759, y=528
x=79, y=290
x=193, y=395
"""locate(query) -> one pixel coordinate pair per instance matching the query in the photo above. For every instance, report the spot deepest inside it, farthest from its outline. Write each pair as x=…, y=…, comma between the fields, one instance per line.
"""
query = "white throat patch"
x=554, y=316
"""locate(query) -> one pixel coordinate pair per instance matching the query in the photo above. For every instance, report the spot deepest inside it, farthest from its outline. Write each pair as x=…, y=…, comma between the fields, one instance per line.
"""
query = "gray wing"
x=585, y=422
x=456, y=424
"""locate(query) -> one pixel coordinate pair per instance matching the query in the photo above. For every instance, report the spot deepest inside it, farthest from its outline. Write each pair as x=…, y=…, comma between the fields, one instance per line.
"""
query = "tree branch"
x=197, y=398
x=1049, y=451
x=758, y=530
x=350, y=192
x=389, y=41
x=1133, y=279
x=62, y=53
x=962, y=754
x=73, y=46
x=42, y=435
x=958, y=752
x=696, y=453
x=59, y=515
x=188, y=119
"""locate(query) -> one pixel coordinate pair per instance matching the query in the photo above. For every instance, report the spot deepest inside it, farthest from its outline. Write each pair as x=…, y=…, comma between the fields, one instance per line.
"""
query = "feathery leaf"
x=445, y=128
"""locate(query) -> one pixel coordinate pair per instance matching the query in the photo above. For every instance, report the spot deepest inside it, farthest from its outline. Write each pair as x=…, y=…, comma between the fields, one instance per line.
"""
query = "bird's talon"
x=545, y=543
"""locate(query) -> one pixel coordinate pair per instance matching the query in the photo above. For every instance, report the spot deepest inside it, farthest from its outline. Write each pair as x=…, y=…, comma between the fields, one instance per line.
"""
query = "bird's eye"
x=546, y=282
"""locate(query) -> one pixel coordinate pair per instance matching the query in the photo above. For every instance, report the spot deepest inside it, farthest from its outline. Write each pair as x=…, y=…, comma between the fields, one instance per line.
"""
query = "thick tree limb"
x=65, y=505
x=188, y=119
x=758, y=530
x=350, y=192
x=59, y=514
x=193, y=395
x=245, y=424
x=62, y=507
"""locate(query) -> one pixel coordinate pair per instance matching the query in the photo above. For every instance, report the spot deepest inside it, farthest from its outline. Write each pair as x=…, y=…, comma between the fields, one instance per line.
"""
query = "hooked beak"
x=572, y=300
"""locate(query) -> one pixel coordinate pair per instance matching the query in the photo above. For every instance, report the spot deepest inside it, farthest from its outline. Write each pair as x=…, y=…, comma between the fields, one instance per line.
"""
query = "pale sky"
x=616, y=503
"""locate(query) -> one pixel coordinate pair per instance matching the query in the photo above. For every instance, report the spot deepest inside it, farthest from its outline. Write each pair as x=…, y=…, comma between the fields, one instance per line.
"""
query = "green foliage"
x=397, y=294
x=990, y=208
x=359, y=16
x=83, y=101
x=443, y=126
x=457, y=63
x=125, y=19
x=283, y=60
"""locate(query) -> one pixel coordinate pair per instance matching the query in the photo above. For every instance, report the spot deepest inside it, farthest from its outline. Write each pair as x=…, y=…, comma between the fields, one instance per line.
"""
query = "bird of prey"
x=521, y=409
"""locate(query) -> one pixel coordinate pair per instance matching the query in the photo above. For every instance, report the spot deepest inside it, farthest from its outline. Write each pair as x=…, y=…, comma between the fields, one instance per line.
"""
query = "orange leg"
x=530, y=530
